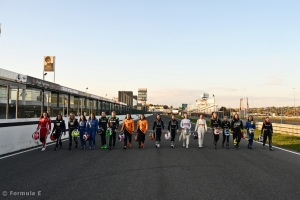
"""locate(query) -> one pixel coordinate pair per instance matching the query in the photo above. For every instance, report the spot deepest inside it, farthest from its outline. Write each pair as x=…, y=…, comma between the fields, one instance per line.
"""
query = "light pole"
x=281, y=110
x=294, y=103
x=44, y=76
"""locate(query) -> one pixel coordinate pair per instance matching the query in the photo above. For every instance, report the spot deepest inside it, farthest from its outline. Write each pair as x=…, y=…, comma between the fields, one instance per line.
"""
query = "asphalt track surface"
x=151, y=173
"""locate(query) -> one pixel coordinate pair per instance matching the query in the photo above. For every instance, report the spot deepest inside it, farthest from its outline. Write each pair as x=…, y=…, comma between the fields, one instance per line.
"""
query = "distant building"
x=142, y=96
x=126, y=97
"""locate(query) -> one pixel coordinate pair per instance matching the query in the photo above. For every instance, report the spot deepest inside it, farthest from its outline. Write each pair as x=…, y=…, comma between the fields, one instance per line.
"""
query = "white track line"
x=14, y=154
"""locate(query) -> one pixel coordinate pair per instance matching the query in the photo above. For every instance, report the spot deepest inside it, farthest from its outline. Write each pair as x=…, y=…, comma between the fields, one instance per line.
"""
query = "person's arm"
x=271, y=128
x=123, y=124
x=76, y=124
x=190, y=124
x=39, y=124
x=137, y=125
x=177, y=125
x=169, y=125
x=64, y=126
x=242, y=125
x=108, y=123
x=211, y=123
x=181, y=124
x=219, y=123
x=196, y=127
x=162, y=124
x=54, y=127
x=49, y=125
x=231, y=125
x=117, y=123
x=222, y=125
x=205, y=125
x=146, y=126
x=154, y=124
x=262, y=128
x=132, y=126
x=254, y=126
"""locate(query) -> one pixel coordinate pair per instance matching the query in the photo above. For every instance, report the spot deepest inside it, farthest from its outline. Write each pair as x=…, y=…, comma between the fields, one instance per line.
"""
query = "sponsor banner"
x=9, y=75
x=49, y=63
x=42, y=83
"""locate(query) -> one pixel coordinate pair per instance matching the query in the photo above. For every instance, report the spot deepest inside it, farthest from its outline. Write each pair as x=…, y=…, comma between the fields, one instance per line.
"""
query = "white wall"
x=20, y=137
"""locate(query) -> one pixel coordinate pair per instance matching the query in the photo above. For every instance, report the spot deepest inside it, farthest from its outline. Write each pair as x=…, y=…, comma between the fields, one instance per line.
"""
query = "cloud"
x=275, y=81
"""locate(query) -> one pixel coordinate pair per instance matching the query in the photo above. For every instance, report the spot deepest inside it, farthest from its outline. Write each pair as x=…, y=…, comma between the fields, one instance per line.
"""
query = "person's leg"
x=251, y=137
x=94, y=138
x=227, y=141
x=140, y=138
x=143, y=140
x=265, y=138
x=234, y=137
x=114, y=138
x=125, y=139
x=239, y=137
x=130, y=140
x=223, y=139
x=110, y=141
x=187, y=141
x=270, y=135
x=70, y=139
x=199, y=138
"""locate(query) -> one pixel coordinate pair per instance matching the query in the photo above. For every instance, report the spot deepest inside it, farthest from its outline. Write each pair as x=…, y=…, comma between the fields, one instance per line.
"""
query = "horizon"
x=174, y=49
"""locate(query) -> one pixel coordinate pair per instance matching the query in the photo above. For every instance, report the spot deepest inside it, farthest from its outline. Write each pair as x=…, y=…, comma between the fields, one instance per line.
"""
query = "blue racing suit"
x=92, y=128
x=250, y=124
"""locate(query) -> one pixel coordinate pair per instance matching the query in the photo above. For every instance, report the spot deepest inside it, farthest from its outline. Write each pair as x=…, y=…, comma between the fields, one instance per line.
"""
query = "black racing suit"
x=73, y=125
x=215, y=123
x=225, y=125
x=267, y=129
x=236, y=127
x=158, y=126
x=103, y=124
x=113, y=123
x=59, y=128
x=173, y=127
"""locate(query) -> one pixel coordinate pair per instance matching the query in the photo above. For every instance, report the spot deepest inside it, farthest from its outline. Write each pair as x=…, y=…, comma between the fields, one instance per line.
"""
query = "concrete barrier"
x=19, y=137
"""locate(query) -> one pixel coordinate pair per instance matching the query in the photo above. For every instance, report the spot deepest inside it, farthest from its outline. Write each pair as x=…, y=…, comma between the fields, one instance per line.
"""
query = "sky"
x=175, y=49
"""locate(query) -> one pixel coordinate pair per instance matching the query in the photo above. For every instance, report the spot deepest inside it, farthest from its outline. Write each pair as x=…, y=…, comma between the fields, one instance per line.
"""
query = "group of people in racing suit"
x=109, y=126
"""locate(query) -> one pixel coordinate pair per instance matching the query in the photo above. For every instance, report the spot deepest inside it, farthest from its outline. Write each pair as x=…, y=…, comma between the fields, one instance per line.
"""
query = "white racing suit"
x=201, y=127
x=185, y=124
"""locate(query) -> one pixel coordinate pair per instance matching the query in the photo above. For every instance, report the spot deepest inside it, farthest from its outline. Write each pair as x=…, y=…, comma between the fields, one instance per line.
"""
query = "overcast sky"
x=176, y=49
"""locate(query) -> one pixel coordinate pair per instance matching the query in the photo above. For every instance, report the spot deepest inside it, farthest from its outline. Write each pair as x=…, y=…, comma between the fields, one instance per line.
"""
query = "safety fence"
x=282, y=128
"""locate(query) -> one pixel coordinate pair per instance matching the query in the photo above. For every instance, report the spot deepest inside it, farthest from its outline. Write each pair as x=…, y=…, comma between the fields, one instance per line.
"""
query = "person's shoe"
x=84, y=147
x=250, y=147
x=263, y=147
x=124, y=147
x=187, y=146
x=143, y=145
x=140, y=146
x=215, y=147
x=109, y=148
x=158, y=145
x=130, y=145
x=105, y=146
x=271, y=149
x=102, y=147
x=43, y=149
x=94, y=147
x=183, y=145
x=114, y=147
x=81, y=148
x=69, y=148
x=90, y=148
x=60, y=146
x=75, y=146
x=222, y=145
x=55, y=149
x=235, y=147
x=227, y=147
